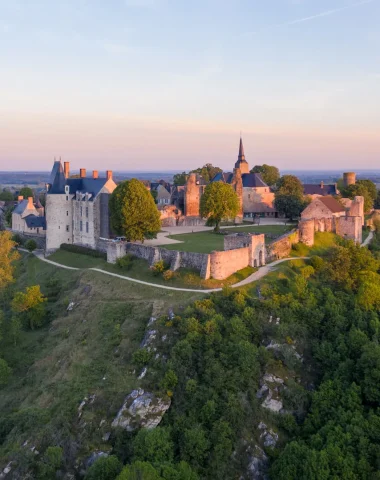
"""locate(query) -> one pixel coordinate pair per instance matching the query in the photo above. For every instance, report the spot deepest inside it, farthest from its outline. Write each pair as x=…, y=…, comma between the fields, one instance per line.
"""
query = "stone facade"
x=282, y=247
x=77, y=208
x=193, y=192
x=28, y=217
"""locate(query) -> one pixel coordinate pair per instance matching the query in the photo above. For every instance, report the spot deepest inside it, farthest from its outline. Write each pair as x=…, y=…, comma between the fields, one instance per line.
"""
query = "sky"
x=141, y=85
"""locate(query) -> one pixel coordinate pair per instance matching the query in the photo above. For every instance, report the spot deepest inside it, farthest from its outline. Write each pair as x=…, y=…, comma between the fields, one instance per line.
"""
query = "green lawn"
x=206, y=242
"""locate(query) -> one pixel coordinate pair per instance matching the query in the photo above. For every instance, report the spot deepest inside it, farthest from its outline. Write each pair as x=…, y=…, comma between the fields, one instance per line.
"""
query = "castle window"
x=81, y=211
x=86, y=211
x=249, y=196
x=67, y=228
x=67, y=198
x=81, y=225
x=86, y=227
x=67, y=213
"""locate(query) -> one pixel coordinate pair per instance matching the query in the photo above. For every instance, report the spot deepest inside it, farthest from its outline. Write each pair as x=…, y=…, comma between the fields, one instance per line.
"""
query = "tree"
x=290, y=206
x=180, y=178
x=154, y=446
x=105, y=468
x=139, y=471
x=30, y=305
x=31, y=245
x=208, y=171
x=269, y=173
x=8, y=215
x=290, y=185
x=219, y=202
x=5, y=372
x=7, y=257
x=26, y=192
x=363, y=188
x=50, y=463
x=133, y=211
x=6, y=196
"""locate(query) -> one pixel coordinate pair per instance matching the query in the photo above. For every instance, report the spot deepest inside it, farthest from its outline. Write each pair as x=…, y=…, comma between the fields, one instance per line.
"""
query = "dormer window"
x=67, y=189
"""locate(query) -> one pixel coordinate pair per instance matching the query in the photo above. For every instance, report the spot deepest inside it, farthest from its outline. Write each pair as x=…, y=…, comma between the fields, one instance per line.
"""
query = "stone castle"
x=254, y=194
x=77, y=208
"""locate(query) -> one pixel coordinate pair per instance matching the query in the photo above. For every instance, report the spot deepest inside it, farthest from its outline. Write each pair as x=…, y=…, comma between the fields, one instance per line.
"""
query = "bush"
x=106, y=468
x=142, y=357
x=168, y=274
x=159, y=267
x=5, y=372
x=18, y=239
x=30, y=245
x=83, y=250
x=316, y=262
x=125, y=262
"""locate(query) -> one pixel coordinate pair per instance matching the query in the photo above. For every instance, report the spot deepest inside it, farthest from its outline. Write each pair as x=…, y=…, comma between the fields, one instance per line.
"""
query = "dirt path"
x=367, y=240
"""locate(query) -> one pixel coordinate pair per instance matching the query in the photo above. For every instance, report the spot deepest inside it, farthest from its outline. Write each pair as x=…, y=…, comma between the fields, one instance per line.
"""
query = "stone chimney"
x=30, y=203
x=109, y=174
x=20, y=198
x=66, y=169
x=82, y=173
x=95, y=174
x=322, y=184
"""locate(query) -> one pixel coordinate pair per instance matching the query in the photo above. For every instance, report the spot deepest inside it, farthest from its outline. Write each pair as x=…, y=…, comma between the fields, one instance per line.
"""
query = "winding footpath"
x=262, y=272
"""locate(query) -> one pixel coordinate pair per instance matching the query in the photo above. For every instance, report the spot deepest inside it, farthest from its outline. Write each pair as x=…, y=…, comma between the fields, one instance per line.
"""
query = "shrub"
x=296, y=247
x=5, y=372
x=307, y=271
x=142, y=357
x=159, y=267
x=125, y=262
x=30, y=245
x=83, y=250
x=18, y=239
x=168, y=274
x=106, y=468
x=169, y=381
x=316, y=262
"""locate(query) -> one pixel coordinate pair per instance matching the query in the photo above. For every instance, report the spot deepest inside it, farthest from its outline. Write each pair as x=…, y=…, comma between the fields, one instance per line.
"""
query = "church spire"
x=241, y=156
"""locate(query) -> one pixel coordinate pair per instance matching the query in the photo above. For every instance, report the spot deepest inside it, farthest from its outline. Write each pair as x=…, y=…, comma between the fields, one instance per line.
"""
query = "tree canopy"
x=362, y=188
x=208, y=172
x=6, y=196
x=290, y=185
x=26, y=192
x=133, y=211
x=269, y=173
x=219, y=202
x=30, y=306
x=289, y=199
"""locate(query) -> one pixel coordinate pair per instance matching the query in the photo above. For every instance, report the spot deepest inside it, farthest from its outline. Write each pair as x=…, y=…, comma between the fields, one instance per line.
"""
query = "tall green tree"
x=208, y=171
x=6, y=196
x=180, y=178
x=362, y=188
x=290, y=185
x=26, y=192
x=133, y=211
x=269, y=173
x=219, y=202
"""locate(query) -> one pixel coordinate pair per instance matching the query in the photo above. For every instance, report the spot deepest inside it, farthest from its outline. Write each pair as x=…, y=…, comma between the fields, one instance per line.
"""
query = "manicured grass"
x=77, y=260
x=206, y=242
x=323, y=241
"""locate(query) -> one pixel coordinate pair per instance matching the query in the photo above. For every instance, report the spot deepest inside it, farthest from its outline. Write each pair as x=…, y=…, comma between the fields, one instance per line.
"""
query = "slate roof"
x=316, y=189
x=249, y=179
x=58, y=182
x=21, y=206
x=35, y=222
x=333, y=205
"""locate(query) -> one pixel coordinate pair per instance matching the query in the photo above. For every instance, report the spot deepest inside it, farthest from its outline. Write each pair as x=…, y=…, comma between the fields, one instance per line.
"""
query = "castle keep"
x=77, y=208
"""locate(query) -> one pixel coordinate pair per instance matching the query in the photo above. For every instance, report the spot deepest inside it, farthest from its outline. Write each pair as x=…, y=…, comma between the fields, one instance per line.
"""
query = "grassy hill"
x=80, y=353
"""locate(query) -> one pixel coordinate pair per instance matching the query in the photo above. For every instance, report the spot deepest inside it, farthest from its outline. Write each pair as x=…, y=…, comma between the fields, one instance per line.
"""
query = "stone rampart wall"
x=224, y=264
x=281, y=247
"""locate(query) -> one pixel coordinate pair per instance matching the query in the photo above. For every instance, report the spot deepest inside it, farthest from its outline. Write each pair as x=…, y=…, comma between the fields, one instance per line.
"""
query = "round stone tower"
x=306, y=229
x=349, y=178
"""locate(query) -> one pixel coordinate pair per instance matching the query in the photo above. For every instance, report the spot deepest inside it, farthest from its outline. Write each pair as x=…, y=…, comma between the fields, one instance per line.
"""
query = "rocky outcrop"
x=141, y=410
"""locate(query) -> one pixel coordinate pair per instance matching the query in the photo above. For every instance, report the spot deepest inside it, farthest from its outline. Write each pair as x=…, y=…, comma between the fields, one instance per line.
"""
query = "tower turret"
x=241, y=163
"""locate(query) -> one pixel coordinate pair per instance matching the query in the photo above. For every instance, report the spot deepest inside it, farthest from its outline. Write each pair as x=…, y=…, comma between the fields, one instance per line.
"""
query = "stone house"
x=28, y=217
x=320, y=190
x=163, y=195
x=77, y=208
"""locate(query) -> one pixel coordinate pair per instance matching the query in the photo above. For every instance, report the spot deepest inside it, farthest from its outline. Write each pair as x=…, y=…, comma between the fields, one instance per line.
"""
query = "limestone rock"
x=268, y=377
x=141, y=410
x=94, y=457
x=272, y=404
x=258, y=462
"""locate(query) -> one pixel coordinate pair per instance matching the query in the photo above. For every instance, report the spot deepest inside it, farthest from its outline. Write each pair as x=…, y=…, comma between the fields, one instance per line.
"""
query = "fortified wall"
x=241, y=250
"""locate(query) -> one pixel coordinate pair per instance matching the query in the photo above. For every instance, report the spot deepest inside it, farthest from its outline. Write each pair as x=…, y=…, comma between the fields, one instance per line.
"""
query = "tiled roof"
x=333, y=205
x=317, y=189
x=35, y=222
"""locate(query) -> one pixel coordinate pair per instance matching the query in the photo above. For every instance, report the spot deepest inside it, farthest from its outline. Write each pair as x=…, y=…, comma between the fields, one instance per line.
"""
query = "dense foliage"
x=208, y=172
x=6, y=196
x=26, y=192
x=269, y=173
x=219, y=202
x=69, y=247
x=133, y=211
x=363, y=188
x=289, y=199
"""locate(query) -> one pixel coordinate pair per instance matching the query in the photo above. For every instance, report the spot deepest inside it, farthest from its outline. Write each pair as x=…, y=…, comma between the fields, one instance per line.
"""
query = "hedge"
x=83, y=250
